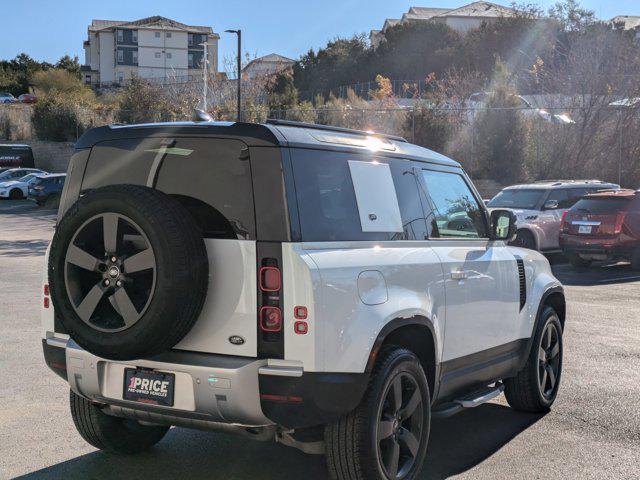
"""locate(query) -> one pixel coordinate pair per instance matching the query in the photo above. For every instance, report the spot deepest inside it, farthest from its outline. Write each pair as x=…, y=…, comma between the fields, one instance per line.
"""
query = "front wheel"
x=112, y=434
x=16, y=194
x=386, y=436
x=535, y=387
x=524, y=239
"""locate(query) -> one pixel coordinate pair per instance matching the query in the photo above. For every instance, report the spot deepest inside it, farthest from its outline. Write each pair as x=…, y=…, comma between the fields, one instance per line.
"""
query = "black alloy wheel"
x=399, y=428
x=549, y=360
x=110, y=272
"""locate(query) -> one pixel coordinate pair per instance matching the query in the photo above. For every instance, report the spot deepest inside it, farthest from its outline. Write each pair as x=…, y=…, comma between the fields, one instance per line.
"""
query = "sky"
x=49, y=29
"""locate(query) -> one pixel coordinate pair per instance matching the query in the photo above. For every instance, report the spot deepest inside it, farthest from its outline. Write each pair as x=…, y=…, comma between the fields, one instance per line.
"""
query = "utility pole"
x=239, y=74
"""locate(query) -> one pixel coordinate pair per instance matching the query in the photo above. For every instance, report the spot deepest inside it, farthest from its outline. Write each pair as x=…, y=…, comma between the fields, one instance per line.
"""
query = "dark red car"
x=603, y=226
x=27, y=98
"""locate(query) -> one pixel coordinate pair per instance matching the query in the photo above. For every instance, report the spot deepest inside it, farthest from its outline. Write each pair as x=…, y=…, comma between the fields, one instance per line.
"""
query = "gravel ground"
x=593, y=430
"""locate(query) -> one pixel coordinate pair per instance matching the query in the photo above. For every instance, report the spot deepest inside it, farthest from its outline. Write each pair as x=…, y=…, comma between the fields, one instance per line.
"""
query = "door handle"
x=459, y=275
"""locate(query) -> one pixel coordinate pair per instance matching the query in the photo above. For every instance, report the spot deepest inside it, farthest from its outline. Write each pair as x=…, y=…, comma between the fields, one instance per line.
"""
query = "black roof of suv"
x=272, y=133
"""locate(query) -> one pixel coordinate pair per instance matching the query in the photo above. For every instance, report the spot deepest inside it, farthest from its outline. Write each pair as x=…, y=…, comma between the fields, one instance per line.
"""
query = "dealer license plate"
x=149, y=386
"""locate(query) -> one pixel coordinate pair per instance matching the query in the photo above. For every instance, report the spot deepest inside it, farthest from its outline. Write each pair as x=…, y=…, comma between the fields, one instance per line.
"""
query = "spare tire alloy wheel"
x=128, y=272
x=110, y=257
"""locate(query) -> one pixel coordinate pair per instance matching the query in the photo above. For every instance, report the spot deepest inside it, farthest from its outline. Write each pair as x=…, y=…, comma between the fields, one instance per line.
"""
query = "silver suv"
x=539, y=208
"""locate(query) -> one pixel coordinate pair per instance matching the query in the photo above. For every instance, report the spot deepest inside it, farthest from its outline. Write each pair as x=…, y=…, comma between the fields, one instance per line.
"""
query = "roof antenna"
x=201, y=116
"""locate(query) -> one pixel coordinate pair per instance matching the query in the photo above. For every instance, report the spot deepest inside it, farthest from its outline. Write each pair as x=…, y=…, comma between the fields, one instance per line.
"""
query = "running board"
x=470, y=401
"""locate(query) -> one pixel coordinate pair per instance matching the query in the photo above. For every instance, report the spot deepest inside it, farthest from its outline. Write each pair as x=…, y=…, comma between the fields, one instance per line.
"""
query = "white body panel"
x=481, y=284
x=343, y=328
x=230, y=306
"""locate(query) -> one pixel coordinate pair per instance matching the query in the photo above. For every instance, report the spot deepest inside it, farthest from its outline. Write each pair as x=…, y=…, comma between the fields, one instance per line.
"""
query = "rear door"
x=480, y=275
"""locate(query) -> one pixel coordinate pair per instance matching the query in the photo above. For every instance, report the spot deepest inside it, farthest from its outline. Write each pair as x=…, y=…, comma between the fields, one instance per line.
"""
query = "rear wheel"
x=112, y=434
x=16, y=194
x=524, y=239
x=535, y=387
x=578, y=262
x=386, y=436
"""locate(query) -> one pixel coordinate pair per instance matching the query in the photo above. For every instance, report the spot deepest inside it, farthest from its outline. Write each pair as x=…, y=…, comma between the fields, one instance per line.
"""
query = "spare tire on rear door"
x=128, y=272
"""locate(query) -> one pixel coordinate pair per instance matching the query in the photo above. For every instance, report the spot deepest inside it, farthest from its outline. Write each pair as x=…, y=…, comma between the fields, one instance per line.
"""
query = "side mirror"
x=503, y=225
x=550, y=205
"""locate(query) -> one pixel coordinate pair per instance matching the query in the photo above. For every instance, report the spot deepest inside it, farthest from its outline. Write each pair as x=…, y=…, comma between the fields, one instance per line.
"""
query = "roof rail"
x=329, y=128
x=554, y=180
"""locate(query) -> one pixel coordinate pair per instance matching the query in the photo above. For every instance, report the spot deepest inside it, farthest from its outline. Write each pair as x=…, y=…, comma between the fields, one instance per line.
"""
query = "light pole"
x=239, y=79
x=205, y=60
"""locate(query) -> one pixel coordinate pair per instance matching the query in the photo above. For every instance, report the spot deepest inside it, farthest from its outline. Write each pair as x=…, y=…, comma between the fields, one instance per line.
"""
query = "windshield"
x=517, y=198
x=27, y=178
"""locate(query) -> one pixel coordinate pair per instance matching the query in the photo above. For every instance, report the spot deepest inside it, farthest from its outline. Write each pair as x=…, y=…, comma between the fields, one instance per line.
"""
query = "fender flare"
x=547, y=293
x=396, y=324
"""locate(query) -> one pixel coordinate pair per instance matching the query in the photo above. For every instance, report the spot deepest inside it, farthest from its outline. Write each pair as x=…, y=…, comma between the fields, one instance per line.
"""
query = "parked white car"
x=6, y=97
x=478, y=101
x=539, y=208
x=16, y=173
x=17, y=189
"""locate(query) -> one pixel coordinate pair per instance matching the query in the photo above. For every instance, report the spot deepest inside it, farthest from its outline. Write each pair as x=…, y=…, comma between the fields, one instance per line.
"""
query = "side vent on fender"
x=523, y=283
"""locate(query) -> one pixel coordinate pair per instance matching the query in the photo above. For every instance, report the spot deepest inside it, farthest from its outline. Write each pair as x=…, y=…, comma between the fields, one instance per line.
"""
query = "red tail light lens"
x=45, y=302
x=270, y=319
x=46, y=289
x=269, y=279
x=564, y=226
x=619, y=222
x=301, y=328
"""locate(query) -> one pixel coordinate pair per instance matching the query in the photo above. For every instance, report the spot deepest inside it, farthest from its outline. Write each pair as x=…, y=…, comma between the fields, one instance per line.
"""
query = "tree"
x=572, y=17
x=71, y=65
x=500, y=132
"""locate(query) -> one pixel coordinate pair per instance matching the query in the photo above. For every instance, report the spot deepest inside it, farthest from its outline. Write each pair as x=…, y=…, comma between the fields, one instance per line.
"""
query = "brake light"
x=619, y=222
x=564, y=225
x=269, y=279
x=46, y=289
x=300, y=312
x=301, y=328
x=270, y=319
x=45, y=302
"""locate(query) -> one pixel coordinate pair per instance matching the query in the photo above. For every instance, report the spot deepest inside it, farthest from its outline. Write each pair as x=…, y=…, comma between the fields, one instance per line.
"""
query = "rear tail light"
x=619, y=222
x=45, y=291
x=301, y=328
x=269, y=279
x=45, y=302
x=270, y=319
x=564, y=226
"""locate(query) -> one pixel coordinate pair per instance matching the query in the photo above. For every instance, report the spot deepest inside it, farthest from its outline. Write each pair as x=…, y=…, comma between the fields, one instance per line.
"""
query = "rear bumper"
x=213, y=389
x=610, y=248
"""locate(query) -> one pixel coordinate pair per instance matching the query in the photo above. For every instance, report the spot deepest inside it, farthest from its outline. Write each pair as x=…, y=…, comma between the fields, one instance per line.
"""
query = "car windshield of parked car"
x=526, y=199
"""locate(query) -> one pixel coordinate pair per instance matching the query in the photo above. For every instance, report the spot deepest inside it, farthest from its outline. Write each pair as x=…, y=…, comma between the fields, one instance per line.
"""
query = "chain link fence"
x=503, y=144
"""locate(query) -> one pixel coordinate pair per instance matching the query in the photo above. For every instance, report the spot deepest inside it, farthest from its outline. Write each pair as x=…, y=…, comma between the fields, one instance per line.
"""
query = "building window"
x=168, y=55
x=157, y=54
x=190, y=60
x=157, y=34
x=134, y=57
x=120, y=77
x=87, y=79
x=120, y=36
x=120, y=56
x=134, y=36
x=191, y=39
x=168, y=35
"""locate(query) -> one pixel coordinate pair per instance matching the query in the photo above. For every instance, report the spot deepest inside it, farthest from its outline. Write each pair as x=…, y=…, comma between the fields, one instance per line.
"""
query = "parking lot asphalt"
x=593, y=430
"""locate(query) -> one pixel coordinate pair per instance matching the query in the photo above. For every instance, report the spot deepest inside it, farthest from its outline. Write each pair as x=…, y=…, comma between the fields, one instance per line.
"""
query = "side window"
x=561, y=196
x=336, y=199
x=456, y=212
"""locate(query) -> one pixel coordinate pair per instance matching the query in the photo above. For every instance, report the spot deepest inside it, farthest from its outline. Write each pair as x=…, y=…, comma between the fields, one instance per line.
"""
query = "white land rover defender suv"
x=333, y=290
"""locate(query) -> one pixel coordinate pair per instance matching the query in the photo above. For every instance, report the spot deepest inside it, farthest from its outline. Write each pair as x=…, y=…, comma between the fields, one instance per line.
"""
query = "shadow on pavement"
x=456, y=445
x=597, y=274
x=22, y=248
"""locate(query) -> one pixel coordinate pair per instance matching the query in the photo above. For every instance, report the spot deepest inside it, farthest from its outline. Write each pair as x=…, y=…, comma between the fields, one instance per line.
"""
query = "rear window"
x=328, y=205
x=601, y=205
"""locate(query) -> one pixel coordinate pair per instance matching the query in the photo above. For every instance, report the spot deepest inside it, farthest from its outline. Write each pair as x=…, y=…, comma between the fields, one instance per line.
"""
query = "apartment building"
x=461, y=19
x=155, y=48
x=267, y=65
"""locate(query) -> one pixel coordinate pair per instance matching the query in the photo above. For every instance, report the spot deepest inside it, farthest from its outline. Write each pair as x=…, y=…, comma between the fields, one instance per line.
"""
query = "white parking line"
x=606, y=280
